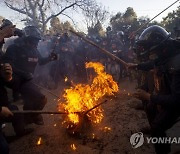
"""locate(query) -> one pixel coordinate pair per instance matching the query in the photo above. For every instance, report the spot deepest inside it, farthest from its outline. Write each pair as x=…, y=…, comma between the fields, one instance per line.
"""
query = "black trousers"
x=4, y=148
x=161, y=120
x=33, y=98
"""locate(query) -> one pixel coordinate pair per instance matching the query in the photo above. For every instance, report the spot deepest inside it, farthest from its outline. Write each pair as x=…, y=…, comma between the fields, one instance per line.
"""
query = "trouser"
x=33, y=98
x=161, y=120
x=4, y=148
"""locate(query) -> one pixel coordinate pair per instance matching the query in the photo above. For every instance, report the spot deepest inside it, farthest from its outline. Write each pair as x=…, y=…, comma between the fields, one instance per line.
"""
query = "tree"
x=59, y=27
x=40, y=12
x=172, y=20
x=124, y=21
x=97, y=30
x=95, y=14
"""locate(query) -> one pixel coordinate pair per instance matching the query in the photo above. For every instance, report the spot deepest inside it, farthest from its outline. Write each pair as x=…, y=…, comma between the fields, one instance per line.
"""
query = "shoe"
x=38, y=120
x=24, y=132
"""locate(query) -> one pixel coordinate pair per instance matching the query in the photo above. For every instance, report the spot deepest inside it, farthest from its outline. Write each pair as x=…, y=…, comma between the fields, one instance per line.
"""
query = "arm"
x=43, y=61
x=146, y=66
x=142, y=66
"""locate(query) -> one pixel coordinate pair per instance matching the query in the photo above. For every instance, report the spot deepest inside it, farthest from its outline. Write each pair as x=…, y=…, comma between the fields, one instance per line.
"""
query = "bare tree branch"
x=15, y=9
x=52, y=16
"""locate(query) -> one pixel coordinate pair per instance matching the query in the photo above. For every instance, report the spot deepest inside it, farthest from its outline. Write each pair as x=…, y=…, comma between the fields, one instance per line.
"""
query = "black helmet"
x=152, y=37
x=32, y=32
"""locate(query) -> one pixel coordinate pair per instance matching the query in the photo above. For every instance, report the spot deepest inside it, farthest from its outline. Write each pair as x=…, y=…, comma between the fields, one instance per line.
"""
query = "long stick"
x=38, y=112
x=46, y=90
x=54, y=112
x=94, y=107
x=101, y=49
x=153, y=18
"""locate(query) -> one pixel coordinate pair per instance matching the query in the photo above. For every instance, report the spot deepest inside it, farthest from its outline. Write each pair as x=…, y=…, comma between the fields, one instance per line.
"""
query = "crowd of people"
x=73, y=53
x=64, y=55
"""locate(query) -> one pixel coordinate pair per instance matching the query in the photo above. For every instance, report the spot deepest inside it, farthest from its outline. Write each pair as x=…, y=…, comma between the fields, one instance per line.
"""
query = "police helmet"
x=152, y=37
x=32, y=32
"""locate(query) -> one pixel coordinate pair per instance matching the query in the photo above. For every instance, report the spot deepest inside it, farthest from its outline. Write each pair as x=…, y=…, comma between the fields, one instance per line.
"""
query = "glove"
x=5, y=112
x=27, y=76
x=53, y=56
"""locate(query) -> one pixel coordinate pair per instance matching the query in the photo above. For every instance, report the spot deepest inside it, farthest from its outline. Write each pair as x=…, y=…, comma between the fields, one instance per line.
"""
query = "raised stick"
x=101, y=49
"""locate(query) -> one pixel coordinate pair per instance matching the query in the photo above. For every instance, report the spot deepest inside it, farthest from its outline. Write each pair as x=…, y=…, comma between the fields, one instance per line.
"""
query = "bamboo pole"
x=38, y=112
x=100, y=48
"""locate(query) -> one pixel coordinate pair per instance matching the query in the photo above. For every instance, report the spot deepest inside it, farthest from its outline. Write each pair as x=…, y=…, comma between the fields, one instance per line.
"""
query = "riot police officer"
x=163, y=108
x=24, y=56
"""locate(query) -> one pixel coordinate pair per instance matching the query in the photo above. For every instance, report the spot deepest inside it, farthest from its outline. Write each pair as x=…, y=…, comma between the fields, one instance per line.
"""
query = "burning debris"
x=39, y=142
x=83, y=97
x=66, y=79
x=73, y=147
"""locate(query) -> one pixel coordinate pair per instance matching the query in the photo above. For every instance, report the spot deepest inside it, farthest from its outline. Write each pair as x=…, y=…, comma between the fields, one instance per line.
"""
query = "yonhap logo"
x=137, y=140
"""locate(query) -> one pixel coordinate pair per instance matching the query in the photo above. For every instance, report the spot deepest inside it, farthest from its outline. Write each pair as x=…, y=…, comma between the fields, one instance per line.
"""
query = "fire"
x=83, y=97
x=66, y=79
x=73, y=147
x=39, y=142
x=106, y=129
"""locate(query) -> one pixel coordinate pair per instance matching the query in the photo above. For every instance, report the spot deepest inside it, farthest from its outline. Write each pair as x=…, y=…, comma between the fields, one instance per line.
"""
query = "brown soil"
x=119, y=115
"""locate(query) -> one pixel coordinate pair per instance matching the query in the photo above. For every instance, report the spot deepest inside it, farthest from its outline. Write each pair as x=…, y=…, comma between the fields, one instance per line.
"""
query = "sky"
x=148, y=8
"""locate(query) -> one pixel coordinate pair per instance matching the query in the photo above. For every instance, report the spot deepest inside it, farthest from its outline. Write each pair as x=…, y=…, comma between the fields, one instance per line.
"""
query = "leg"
x=34, y=100
x=4, y=148
x=162, y=122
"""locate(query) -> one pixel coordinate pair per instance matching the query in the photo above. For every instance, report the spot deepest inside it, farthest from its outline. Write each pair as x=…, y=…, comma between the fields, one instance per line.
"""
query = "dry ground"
x=120, y=116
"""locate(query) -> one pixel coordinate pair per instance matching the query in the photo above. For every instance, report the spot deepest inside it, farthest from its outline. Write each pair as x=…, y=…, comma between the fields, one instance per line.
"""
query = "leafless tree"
x=40, y=12
x=95, y=14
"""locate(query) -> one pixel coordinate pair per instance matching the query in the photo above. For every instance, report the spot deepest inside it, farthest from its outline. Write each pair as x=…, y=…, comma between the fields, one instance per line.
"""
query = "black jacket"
x=23, y=59
x=170, y=70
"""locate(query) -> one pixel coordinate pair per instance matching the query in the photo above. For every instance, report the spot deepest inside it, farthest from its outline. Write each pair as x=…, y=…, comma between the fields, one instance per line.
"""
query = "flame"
x=106, y=129
x=66, y=79
x=73, y=147
x=83, y=97
x=39, y=142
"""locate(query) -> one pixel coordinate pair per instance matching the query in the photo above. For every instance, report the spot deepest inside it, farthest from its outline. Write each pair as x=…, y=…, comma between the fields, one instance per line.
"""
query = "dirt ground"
x=119, y=115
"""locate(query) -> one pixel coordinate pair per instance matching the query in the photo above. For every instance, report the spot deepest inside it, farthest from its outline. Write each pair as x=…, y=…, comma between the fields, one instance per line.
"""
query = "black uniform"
x=24, y=59
x=17, y=120
x=167, y=97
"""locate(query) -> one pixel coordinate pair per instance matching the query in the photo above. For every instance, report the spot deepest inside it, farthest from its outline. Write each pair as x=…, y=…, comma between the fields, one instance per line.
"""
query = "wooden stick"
x=95, y=107
x=41, y=87
x=101, y=49
x=38, y=112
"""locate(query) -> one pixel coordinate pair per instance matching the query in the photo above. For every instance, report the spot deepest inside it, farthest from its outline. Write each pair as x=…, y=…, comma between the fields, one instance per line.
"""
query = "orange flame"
x=83, y=97
x=39, y=142
x=66, y=79
x=73, y=147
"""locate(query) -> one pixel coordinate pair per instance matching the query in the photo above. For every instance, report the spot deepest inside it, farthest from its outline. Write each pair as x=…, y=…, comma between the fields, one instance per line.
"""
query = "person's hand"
x=53, y=56
x=5, y=112
x=6, y=71
x=142, y=95
x=131, y=66
x=6, y=32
